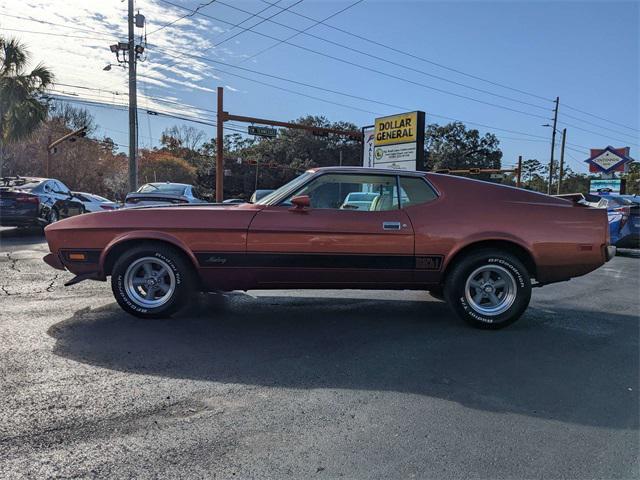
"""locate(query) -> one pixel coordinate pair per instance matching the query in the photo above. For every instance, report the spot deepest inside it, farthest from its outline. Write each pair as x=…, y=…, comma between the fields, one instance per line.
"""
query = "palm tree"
x=20, y=109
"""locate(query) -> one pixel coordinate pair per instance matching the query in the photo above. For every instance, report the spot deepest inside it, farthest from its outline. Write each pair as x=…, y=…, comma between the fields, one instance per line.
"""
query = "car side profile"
x=161, y=193
x=479, y=246
x=31, y=201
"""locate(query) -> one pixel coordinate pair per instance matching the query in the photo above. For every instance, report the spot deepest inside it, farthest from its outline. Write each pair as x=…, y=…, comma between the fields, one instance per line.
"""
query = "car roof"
x=387, y=171
x=168, y=183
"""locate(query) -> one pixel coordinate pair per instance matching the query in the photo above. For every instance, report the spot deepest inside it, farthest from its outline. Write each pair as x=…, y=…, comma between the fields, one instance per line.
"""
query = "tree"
x=158, y=166
x=21, y=112
x=633, y=179
x=452, y=146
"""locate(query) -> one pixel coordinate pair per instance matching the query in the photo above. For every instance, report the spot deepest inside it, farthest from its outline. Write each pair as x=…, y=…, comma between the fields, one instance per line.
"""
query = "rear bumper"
x=609, y=252
x=631, y=240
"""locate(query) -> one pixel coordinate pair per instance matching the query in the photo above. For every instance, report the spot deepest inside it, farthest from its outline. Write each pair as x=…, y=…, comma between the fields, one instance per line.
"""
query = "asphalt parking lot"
x=324, y=384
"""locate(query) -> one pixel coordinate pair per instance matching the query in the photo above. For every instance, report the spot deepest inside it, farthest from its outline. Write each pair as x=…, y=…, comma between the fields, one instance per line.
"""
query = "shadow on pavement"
x=21, y=235
x=552, y=366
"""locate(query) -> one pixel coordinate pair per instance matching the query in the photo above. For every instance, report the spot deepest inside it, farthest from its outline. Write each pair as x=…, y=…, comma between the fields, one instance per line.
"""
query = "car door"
x=331, y=242
x=69, y=206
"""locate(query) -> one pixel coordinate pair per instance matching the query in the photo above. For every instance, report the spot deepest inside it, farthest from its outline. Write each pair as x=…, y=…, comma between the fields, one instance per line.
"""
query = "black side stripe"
x=305, y=260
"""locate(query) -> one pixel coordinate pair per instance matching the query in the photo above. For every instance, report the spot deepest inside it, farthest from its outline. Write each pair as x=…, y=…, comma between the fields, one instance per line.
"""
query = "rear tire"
x=488, y=289
x=152, y=281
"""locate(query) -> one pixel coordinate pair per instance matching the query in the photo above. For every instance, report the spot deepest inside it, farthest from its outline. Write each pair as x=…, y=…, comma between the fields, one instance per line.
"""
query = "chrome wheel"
x=490, y=290
x=149, y=282
x=53, y=216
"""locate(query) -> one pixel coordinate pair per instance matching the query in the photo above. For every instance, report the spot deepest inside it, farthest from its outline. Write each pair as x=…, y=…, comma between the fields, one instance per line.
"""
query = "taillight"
x=625, y=211
x=27, y=199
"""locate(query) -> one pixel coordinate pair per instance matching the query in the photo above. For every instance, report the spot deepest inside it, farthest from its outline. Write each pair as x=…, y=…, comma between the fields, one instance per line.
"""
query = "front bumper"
x=54, y=261
x=609, y=252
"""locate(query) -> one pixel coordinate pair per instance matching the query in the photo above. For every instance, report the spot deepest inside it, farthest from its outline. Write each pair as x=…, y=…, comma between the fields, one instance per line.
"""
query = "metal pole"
x=553, y=144
x=257, y=164
x=519, y=177
x=561, y=172
x=133, y=105
x=219, y=147
x=48, y=164
x=340, y=157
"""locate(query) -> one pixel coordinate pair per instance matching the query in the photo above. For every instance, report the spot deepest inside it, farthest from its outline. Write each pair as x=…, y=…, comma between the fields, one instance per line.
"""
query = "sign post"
x=399, y=141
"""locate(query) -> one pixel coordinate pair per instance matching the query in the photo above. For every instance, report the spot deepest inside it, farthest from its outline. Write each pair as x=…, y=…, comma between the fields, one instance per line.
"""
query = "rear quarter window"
x=415, y=191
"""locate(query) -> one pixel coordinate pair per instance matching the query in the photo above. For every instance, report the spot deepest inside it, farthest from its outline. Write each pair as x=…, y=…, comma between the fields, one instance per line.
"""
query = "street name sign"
x=263, y=131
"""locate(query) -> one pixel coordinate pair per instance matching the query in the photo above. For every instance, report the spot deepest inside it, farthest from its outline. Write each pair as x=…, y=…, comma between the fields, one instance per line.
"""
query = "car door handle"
x=391, y=225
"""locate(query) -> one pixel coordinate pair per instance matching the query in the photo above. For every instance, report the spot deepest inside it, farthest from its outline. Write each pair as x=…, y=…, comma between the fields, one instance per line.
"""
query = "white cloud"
x=99, y=23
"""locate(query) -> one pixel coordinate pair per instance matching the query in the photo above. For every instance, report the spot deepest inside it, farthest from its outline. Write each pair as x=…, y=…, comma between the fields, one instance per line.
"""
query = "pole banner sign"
x=399, y=141
x=368, y=134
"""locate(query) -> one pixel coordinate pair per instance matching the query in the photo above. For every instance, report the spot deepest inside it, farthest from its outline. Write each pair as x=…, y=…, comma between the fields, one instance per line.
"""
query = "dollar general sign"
x=399, y=141
x=401, y=128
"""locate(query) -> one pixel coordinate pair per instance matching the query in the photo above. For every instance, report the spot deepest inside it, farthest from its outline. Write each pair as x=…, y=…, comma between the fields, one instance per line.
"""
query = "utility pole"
x=561, y=172
x=519, y=175
x=219, y=148
x=553, y=144
x=133, y=105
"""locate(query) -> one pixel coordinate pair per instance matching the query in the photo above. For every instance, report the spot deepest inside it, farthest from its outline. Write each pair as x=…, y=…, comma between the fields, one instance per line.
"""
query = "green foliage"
x=633, y=179
x=453, y=146
x=20, y=110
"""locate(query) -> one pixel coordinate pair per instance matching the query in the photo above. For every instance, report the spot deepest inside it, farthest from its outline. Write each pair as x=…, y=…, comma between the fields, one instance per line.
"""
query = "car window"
x=335, y=191
x=415, y=191
x=170, y=188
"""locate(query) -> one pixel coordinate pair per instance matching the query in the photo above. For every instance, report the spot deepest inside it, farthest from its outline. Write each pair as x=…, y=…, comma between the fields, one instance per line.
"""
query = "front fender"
x=145, y=235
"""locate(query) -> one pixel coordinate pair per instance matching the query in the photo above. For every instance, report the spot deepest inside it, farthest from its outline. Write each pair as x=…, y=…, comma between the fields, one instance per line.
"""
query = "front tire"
x=488, y=289
x=152, y=281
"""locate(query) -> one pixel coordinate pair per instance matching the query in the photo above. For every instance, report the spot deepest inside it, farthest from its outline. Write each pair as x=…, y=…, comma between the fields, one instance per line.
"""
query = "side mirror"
x=301, y=203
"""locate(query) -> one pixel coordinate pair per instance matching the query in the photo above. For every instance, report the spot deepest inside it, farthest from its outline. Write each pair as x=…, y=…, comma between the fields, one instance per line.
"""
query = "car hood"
x=165, y=217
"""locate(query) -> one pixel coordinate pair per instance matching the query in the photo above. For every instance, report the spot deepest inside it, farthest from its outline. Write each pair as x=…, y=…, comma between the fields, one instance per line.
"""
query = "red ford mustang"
x=478, y=245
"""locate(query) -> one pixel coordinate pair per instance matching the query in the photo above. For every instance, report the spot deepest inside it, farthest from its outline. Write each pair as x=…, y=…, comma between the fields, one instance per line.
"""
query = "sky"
x=497, y=66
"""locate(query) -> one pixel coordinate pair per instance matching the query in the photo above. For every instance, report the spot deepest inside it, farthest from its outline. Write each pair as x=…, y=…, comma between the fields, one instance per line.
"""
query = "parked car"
x=95, y=203
x=31, y=201
x=359, y=200
x=259, y=195
x=623, y=212
x=159, y=193
x=460, y=238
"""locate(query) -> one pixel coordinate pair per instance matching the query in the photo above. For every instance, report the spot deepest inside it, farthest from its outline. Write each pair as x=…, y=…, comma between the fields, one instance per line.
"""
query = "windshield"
x=291, y=186
x=171, y=188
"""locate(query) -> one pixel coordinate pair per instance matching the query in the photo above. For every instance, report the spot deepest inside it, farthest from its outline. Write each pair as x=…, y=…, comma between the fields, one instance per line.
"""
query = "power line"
x=380, y=72
x=594, y=124
x=431, y=62
x=84, y=37
x=414, y=56
x=302, y=31
x=600, y=118
x=317, y=87
x=202, y=5
x=254, y=15
x=596, y=133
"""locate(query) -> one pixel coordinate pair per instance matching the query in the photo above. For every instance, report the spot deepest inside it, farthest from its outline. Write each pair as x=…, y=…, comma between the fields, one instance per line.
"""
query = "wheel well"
x=519, y=252
x=119, y=248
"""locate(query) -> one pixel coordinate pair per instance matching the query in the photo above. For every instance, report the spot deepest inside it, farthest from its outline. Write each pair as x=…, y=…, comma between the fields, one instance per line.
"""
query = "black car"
x=161, y=193
x=29, y=201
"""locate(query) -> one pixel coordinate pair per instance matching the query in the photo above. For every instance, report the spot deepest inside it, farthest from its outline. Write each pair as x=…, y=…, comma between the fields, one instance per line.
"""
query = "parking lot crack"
x=14, y=262
x=4, y=290
x=52, y=283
